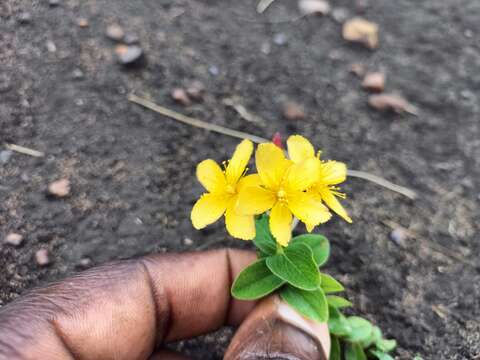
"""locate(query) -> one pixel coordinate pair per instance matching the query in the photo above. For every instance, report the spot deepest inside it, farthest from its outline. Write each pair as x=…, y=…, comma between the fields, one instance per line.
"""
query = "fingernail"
x=274, y=330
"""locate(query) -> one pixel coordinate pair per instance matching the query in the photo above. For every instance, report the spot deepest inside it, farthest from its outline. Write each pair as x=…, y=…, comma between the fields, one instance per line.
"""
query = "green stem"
x=279, y=249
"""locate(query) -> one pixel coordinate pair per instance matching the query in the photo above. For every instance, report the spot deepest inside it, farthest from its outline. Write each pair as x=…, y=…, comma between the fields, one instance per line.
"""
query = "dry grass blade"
x=24, y=150
x=385, y=183
x=263, y=5
x=192, y=121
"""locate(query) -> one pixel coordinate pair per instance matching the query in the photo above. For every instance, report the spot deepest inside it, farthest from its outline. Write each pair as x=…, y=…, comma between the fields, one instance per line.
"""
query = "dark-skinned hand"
x=126, y=310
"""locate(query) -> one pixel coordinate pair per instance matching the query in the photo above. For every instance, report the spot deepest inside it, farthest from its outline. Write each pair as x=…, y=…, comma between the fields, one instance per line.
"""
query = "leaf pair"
x=295, y=267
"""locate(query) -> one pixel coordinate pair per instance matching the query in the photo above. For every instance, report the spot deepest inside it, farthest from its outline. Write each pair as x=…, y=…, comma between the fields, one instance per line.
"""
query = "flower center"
x=281, y=194
x=231, y=189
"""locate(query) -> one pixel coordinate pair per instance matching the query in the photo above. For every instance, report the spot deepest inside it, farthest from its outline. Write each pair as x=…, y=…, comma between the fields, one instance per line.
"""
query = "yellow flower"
x=331, y=173
x=223, y=188
x=282, y=189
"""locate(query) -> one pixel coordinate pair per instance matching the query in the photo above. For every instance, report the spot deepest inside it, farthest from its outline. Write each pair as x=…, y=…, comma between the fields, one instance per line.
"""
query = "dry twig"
x=24, y=150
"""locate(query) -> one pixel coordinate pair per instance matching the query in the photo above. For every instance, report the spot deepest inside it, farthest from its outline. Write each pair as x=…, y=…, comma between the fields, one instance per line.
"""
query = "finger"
x=123, y=310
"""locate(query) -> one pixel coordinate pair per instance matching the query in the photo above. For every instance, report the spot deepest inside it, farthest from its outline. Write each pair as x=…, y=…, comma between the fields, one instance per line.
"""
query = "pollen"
x=281, y=194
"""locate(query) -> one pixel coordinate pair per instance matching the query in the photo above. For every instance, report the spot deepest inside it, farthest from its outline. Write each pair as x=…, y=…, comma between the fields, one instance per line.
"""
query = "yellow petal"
x=237, y=164
x=302, y=175
x=308, y=209
x=247, y=181
x=254, y=200
x=271, y=164
x=332, y=172
x=239, y=226
x=208, y=209
x=329, y=198
x=299, y=148
x=281, y=223
x=211, y=176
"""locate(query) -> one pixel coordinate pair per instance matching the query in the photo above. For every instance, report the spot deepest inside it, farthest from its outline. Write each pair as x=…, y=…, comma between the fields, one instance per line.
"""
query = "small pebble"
x=82, y=22
x=77, y=74
x=51, y=47
x=129, y=55
x=188, y=241
x=196, y=90
x=280, y=39
x=42, y=257
x=320, y=7
x=391, y=102
x=85, y=262
x=14, y=239
x=115, y=32
x=24, y=18
x=180, y=96
x=293, y=111
x=398, y=236
x=266, y=48
x=361, y=31
x=54, y=3
x=374, y=81
x=59, y=188
x=5, y=155
x=213, y=70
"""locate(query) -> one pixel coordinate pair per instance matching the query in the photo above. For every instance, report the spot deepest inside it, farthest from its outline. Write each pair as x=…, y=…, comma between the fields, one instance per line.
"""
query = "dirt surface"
x=132, y=171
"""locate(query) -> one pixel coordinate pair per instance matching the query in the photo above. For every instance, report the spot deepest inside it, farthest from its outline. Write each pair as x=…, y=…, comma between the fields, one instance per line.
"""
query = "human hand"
x=126, y=310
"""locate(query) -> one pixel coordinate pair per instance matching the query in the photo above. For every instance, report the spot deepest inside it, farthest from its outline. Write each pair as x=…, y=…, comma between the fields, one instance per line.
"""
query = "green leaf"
x=354, y=351
x=311, y=304
x=375, y=336
x=381, y=355
x=417, y=357
x=264, y=240
x=386, y=345
x=338, y=302
x=296, y=266
x=318, y=244
x=361, y=329
x=335, y=349
x=330, y=285
x=255, y=282
x=337, y=322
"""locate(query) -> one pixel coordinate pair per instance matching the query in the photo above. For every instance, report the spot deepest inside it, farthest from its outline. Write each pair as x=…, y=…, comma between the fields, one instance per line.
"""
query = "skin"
x=126, y=310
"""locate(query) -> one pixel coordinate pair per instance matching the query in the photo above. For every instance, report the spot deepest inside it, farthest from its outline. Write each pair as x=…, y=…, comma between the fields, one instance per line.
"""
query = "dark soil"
x=132, y=171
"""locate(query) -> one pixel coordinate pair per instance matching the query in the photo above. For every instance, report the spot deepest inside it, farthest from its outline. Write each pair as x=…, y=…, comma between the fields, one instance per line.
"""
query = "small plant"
x=263, y=207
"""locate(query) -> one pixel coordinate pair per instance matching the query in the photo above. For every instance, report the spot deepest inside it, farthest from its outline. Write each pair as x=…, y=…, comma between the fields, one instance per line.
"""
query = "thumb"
x=274, y=330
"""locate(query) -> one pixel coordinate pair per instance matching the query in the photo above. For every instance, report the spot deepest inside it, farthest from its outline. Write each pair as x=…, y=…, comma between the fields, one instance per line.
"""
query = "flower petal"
x=281, y=223
x=237, y=164
x=308, y=209
x=302, y=175
x=299, y=148
x=247, y=181
x=254, y=200
x=239, y=226
x=208, y=209
x=271, y=164
x=332, y=172
x=211, y=176
x=329, y=198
